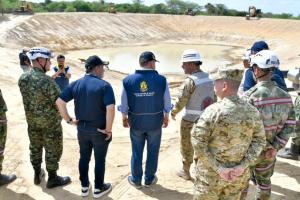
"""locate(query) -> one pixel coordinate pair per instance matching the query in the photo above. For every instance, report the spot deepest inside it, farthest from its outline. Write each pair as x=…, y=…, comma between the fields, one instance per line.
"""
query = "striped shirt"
x=276, y=111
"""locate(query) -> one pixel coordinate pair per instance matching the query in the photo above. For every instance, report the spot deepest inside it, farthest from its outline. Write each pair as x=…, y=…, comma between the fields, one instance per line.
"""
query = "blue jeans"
x=87, y=142
x=138, y=139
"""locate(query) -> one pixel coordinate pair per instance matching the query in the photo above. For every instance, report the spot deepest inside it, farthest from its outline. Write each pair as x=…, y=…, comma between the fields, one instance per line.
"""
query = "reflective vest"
x=202, y=97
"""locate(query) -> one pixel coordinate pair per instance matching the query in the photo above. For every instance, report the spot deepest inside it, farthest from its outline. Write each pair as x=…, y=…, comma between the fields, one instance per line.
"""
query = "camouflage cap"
x=227, y=73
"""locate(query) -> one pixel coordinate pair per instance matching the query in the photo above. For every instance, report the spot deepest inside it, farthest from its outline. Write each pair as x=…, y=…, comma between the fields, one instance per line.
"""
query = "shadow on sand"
x=159, y=192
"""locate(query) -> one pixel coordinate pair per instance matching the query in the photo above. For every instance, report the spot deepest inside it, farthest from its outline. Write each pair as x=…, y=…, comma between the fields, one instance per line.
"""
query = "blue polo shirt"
x=277, y=76
x=91, y=96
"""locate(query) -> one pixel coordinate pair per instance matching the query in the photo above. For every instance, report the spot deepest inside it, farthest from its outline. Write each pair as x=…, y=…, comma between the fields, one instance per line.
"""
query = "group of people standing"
x=230, y=140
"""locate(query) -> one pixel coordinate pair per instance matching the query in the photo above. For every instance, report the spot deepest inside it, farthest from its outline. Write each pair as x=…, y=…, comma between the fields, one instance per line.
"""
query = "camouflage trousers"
x=209, y=185
x=51, y=139
x=296, y=135
x=3, y=132
x=186, y=148
x=262, y=172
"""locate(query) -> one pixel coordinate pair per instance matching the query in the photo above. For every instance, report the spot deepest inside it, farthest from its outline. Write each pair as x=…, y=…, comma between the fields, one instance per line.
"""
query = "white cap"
x=265, y=59
x=247, y=54
x=39, y=52
x=190, y=55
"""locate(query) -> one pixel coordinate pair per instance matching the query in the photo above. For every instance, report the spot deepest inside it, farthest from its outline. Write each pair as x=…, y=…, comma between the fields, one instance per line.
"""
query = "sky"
x=274, y=6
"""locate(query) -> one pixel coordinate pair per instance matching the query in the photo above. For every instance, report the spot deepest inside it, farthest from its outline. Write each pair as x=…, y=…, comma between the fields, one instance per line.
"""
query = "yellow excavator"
x=24, y=9
x=253, y=12
x=111, y=8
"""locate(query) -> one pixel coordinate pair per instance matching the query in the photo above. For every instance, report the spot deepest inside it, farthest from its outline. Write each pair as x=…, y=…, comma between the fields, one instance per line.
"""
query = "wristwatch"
x=69, y=121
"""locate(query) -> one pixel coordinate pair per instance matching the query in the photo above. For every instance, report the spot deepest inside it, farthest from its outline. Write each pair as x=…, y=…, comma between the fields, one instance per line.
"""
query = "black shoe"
x=38, y=176
x=99, y=193
x=134, y=184
x=153, y=182
x=6, y=179
x=57, y=181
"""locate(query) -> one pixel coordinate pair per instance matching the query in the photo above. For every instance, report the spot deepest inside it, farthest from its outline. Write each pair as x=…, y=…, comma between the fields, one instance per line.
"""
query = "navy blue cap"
x=259, y=46
x=146, y=57
x=94, y=61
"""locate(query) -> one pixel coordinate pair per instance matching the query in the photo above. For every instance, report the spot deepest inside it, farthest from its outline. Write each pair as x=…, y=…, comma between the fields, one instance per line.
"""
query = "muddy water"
x=125, y=59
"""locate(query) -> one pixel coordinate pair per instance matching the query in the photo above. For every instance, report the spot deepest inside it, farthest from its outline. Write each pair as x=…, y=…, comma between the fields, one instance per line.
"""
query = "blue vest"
x=62, y=81
x=145, y=93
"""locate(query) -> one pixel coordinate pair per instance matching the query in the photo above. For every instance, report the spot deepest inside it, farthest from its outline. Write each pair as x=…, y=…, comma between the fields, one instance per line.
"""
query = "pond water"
x=125, y=59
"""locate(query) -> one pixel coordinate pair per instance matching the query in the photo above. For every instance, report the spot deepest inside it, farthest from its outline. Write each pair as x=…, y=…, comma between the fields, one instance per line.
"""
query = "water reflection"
x=125, y=59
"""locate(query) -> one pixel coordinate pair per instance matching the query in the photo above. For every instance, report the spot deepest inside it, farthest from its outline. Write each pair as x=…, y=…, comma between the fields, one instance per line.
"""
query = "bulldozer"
x=253, y=12
x=112, y=9
x=190, y=12
x=24, y=9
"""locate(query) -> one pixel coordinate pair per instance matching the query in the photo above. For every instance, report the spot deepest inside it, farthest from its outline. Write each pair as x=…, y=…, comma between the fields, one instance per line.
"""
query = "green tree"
x=221, y=9
x=70, y=8
x=82, y=6
x=210, y=9
x=56, y=7
x=159, y=8
x=48, y=2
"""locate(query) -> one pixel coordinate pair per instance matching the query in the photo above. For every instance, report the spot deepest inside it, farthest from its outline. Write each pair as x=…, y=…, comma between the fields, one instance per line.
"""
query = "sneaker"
x=99, y=193
x=153, y=182
x=85, y=191
x=134, y=184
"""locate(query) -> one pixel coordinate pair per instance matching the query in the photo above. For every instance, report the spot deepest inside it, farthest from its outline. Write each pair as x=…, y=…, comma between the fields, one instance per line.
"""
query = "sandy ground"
x=65, y=32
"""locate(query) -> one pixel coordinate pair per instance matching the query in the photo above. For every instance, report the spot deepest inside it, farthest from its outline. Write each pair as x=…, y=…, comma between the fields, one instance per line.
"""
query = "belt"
x=193, y=112
x=155, y=113
x=87, y=127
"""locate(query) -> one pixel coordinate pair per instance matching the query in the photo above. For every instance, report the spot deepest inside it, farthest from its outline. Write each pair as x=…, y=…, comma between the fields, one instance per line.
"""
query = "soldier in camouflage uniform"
x=39, y=94
x=196, y=93
x=4, y=179
x=277, y=113
x=227, y=139
x=294, y=152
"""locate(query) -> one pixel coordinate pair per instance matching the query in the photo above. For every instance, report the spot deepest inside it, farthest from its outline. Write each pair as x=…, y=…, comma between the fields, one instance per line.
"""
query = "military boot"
x=292, y=153
x=6, y=179
x=185, y=171
x=54, y=180
x=38, y=176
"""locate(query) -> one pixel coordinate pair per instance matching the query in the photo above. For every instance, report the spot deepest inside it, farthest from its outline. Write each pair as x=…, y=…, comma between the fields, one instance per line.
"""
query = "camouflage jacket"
x=185, y=92
x=276, y=111
x=228, y=133
x=39, y=93
x=3, y=107
x=297, y=108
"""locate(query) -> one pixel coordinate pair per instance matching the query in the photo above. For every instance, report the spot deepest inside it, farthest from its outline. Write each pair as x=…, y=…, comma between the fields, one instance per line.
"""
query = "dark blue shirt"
x=277, y=76
x=91, y=96
x=61, y=80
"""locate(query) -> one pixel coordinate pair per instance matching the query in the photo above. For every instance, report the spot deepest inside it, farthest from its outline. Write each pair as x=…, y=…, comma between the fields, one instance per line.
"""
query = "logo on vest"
x=206, y=102
x=143, y=86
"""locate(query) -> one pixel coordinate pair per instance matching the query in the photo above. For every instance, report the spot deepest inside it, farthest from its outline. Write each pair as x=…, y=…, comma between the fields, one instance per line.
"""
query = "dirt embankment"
x=96, y=30
x=67, y=31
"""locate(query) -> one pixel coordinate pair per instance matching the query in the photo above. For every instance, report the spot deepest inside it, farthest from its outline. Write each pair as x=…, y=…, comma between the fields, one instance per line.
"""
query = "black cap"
x=60, y=56
x=146, y=57
x=259, y=46
x=94, y=61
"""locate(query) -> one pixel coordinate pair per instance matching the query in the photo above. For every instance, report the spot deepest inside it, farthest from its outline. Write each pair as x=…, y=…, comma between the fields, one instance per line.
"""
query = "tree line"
x=177, y=7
